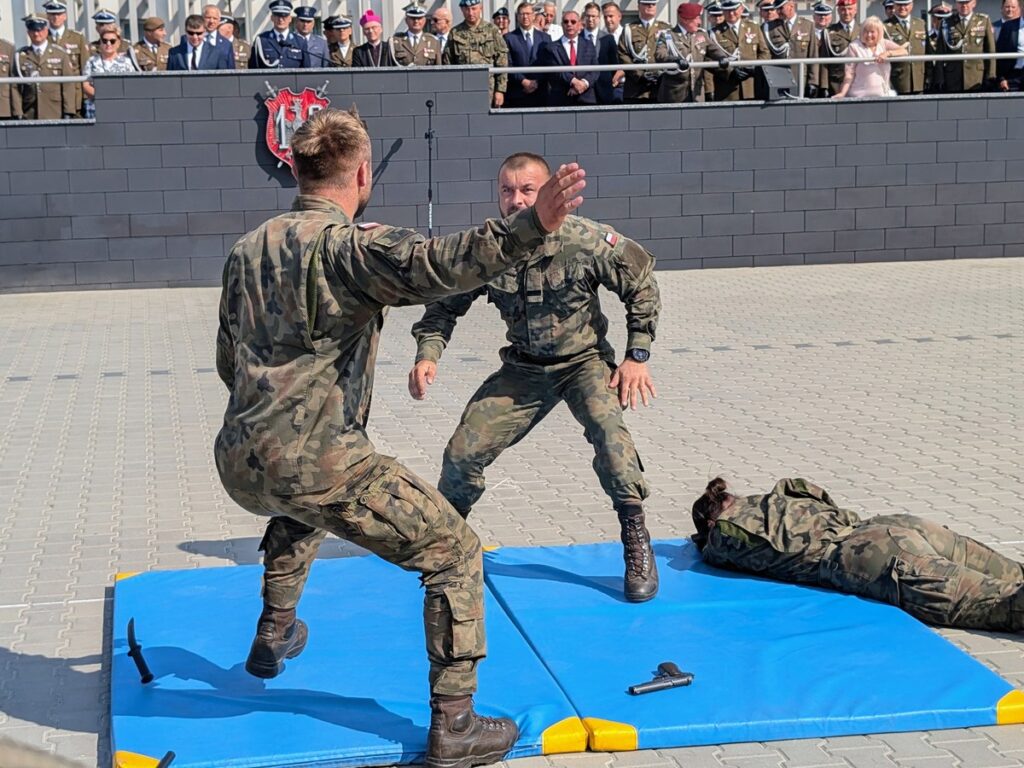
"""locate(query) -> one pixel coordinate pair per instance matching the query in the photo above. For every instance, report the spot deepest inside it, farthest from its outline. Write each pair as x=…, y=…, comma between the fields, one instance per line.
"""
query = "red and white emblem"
x=287, y=111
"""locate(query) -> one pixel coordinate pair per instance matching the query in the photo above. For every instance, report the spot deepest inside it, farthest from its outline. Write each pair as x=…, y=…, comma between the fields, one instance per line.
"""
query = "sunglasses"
x=109, y=41
x=200, y=33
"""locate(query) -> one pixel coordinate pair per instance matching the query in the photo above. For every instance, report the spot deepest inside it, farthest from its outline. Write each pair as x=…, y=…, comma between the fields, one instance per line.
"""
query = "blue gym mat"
x=357, y=696
x=770, y=661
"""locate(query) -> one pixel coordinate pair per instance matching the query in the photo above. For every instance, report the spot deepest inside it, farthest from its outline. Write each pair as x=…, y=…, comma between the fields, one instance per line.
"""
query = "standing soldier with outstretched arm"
x=304, y=298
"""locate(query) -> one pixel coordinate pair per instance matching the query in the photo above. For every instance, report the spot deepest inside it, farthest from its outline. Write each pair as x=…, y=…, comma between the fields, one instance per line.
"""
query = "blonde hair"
x=872, y=21
x=330, y=146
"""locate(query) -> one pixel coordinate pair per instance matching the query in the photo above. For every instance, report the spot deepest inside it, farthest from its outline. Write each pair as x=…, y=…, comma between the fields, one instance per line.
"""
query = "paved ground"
x=898, y=387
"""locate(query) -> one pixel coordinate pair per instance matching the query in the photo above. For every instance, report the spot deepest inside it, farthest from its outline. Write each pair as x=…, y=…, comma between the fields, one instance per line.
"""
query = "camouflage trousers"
x=517, y=397
x=934, y=574
x=396, y=515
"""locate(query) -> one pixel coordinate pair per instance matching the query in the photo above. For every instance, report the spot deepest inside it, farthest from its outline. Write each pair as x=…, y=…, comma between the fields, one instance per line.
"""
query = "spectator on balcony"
x=967, y=31
x=279, y=48
x=72, y=42
x=792, y=37
x=908, y=77
x=6, y=70
x=590, y=21
x=837, y=39
x=769, y=12
x=571, y=50
x=937, y=69
x=524, y=44
x=211, y=23
x=106, y=20
x=822, y=21
x=500, y=19
x=241, y=49
x=743, y=40
x=416, y=48
x=1010, y=72
x=866, y=79
x=375, y=52
x=889, y=7
x=686, y=43
x=194, y=53
x=41, y=58
x=475, y=41
x=609, y=84
x=714, y=13
x=441, y=25
x=338, y=31
x=316, y=45
x=636, y=46
x=540, y=19
x=152, y=52
x=107, y=61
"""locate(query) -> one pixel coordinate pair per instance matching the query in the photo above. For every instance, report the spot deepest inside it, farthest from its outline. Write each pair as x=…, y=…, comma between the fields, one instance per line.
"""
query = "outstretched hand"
x=634, y=382
x=420, y=377
x=560, y=196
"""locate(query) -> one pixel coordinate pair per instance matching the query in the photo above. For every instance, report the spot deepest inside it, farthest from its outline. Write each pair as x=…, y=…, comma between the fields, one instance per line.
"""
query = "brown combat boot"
x=279, y=636
x=641, y=570
x=460, y=738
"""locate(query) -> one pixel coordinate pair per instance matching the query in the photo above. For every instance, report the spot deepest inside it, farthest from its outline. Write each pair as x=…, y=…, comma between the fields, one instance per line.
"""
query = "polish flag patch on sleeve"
x=611, y=238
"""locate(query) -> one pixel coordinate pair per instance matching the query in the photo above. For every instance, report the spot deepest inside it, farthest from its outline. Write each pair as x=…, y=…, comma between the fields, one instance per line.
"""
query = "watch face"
x=640, y=355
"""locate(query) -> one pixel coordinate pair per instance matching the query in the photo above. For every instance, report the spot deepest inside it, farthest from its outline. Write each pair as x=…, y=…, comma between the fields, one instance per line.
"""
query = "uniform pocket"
x=467, y=609
x=397, y=504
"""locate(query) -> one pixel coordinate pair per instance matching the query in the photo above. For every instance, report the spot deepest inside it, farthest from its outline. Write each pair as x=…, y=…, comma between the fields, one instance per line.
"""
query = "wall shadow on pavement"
x=245, y=550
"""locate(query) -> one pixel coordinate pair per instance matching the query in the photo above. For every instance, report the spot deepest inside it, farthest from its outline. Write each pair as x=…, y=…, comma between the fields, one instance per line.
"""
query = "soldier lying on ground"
x=303, y=301
x=797, y=534
x=558, y=351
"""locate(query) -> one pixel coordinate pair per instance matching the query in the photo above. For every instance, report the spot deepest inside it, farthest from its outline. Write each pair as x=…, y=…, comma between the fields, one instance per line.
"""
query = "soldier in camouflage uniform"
x=476, y=41
x=798, y=534
x=303, y=301
x=558, y=351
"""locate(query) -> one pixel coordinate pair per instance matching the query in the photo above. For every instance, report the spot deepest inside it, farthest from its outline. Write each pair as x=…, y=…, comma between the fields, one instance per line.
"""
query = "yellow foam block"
x=609, y=736
x=124, y=759
x=1010, y=708
x=126, y=575
x=567, y=735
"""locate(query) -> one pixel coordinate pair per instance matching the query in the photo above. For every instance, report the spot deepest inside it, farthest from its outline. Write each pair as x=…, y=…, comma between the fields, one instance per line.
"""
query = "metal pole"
x=801, y=79
x=429, y=136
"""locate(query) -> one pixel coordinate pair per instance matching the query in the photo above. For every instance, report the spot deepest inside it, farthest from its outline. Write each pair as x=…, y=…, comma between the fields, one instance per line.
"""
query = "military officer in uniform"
x=636, y=46
x=151, y=52
x=936, y=70
x=72, y=42
x=475, y=41
x=558, y=352
x=338, y=31
x=822, y=13
x=686, y=43
x=279, y=48
x=41, y=58
x=242, y=50
x=714, y=14
x=793, y=37
x=303, y=301
x=837, y=39
x=768, y=11
x=107, y=21
x=500, y=19
x=903, y=29
x=416, y=48
x=316, y=45
x=7, y=54
x=967, y=31
x=743, y=41
x=889, y=8
x=797, y=533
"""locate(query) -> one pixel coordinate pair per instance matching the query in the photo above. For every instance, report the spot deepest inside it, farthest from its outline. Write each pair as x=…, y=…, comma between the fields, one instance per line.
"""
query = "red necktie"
x=572, y=52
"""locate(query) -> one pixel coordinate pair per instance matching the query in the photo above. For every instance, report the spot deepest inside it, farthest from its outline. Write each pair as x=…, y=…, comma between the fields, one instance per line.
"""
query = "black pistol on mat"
x=667, y=676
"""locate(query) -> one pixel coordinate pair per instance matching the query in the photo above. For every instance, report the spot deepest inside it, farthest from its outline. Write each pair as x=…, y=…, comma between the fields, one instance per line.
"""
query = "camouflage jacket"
x=303, y=302
x=482, y=44
x=550, y=303
x=784, y=534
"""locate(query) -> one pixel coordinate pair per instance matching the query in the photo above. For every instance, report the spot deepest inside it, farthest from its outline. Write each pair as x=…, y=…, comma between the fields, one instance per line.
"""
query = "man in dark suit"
x=212, y=19
x=1010, y=72
x=524, y=44
x=194, y=52
x=569, y=88
x=609, y=84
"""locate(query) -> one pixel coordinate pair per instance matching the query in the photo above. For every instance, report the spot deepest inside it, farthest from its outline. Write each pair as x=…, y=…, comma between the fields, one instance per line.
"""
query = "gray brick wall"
x=175, y=169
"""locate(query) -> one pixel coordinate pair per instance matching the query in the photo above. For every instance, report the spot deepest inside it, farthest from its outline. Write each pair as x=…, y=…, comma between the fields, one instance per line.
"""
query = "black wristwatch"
x=639, y=355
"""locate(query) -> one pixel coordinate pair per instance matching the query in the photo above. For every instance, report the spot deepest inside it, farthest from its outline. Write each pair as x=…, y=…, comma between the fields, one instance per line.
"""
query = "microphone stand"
x=429, y=136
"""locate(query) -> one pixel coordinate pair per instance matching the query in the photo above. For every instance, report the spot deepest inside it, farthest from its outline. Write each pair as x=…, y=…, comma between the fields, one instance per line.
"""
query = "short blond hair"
x=329, y=147
x=873, y=21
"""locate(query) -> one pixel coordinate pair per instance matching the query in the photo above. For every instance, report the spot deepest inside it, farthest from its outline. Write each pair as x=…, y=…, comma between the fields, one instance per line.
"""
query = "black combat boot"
x=279, y=636
x=641, y=570
x=460, y=738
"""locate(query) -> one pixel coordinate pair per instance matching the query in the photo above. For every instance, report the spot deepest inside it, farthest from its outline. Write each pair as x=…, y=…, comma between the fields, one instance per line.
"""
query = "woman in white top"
x=106, y=61
x=870, y=78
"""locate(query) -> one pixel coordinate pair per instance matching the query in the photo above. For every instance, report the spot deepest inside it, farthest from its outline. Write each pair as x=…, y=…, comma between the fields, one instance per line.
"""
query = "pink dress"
x=869, y=77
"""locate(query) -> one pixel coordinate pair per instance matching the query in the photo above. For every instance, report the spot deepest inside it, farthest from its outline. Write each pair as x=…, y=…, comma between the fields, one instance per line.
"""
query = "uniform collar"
x=318, y=203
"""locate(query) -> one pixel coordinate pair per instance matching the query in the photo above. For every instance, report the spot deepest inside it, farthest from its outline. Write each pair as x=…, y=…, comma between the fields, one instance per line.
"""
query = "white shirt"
x=618, y=34
x=1019, y=64
x=199, y=54
x=565, y=45
x=414, y=39
x=56, y=34
x=528, y=36
x=41, y=49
